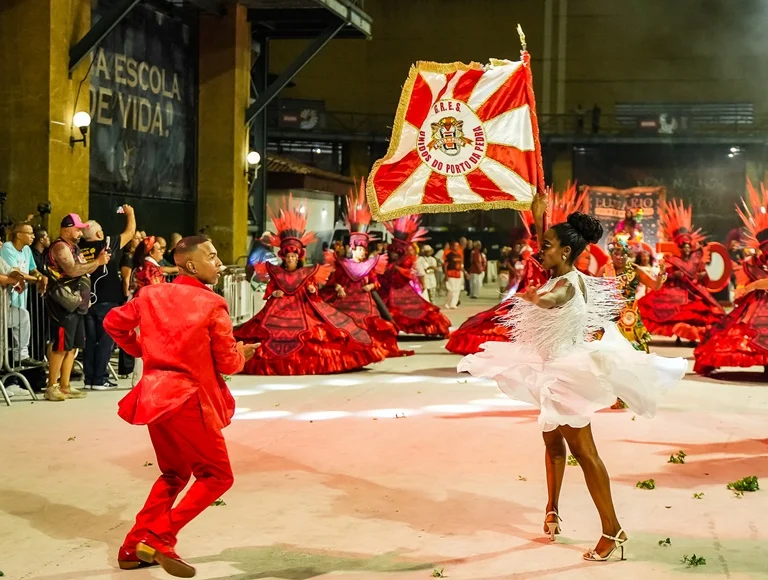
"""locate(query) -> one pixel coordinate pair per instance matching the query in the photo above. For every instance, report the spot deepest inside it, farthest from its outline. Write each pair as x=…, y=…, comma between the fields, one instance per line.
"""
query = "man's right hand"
x=248, y=350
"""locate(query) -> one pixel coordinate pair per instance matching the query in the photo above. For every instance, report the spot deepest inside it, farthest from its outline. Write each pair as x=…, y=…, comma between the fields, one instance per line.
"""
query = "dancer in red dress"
x=484, y=326
x=299, y=333
x=410, y=312
x=186, y=344
x=352, y=287
x=683, y=307
x=741, y=338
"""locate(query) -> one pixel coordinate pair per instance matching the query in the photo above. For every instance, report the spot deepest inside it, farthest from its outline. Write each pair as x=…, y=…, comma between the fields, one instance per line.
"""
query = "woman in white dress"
x=554, y=364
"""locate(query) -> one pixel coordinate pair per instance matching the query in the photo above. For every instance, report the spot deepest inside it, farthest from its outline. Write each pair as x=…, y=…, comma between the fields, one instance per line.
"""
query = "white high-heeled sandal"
x=593, y=556
x=553, y=527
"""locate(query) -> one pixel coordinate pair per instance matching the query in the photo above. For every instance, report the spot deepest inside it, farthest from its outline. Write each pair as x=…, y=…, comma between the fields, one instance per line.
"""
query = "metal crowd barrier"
x=242, y=299
x=15, y=325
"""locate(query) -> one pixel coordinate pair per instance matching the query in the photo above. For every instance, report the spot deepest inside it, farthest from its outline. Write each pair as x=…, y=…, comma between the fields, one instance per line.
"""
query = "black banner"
x=608, y=205
x=143, y=91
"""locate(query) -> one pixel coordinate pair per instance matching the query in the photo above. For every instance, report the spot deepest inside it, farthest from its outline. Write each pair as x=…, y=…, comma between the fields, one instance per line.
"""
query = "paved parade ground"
x=397, y=472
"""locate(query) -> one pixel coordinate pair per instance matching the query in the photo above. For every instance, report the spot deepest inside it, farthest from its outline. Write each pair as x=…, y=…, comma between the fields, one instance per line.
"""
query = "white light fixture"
x=735, y=149
x=253, y=159
x=731, y=155
x=82, y=121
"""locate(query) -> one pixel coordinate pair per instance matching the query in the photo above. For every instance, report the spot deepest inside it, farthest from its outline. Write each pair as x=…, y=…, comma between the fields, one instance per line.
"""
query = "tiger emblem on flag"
x=448, y=136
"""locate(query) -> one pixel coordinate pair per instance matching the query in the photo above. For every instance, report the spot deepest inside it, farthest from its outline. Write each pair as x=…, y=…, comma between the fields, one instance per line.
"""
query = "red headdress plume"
x=406, y=231
x=755, y=217
x=561, y=205
x=291, y=225
x=358, y=217
x=675, y=221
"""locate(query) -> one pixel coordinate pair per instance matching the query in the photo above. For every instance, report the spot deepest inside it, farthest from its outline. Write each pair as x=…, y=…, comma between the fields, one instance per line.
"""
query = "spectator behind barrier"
x=106, y=294
x=18, y=255
x=68, y=298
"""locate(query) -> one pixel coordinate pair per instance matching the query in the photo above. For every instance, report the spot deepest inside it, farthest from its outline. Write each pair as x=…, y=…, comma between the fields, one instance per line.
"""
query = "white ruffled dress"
x=553, y=362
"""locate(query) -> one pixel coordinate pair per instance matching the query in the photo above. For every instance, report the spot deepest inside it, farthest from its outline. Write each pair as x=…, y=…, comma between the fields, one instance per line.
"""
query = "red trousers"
x=184, y=446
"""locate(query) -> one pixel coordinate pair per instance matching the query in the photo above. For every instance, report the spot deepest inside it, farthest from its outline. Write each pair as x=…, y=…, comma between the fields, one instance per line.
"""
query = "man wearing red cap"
x=68, y=297
x=186, y=345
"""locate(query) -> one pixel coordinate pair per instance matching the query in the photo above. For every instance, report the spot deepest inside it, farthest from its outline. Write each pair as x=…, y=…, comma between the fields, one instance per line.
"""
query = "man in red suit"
x=185, y=340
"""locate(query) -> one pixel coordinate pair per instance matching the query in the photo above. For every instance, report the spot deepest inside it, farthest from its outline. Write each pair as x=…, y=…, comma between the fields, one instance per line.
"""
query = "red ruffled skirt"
x=384, y=333
x=323, y=349
x=677, y=311
x=480, y=328
x=739, y=340
x=414, y=315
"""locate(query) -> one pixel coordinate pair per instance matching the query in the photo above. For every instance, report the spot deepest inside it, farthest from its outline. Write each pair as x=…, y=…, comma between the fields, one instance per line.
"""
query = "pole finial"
x=522, y=37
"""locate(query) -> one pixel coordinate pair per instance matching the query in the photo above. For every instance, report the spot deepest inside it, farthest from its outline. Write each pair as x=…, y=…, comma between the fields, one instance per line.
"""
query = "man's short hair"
x=17, y=227
x=92, y=227
x=186, y=246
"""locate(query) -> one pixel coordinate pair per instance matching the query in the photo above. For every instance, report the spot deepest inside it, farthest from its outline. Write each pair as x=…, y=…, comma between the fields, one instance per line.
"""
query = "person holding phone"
x=106, y=294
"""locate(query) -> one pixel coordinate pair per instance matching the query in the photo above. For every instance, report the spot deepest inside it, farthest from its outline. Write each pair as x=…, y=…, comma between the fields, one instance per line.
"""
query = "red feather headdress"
x=561, y=205
x=358, y=217
x=755, y=217
x=406, y=231
x=291, y=225
x=675, y=220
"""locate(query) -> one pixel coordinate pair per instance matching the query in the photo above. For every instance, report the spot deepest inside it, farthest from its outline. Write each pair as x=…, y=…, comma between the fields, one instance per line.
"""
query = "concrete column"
x=222, y=186
x=37, y=103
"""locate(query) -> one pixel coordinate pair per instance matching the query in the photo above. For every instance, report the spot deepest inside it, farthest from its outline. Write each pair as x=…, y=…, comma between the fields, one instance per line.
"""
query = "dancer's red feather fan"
x=755, y=216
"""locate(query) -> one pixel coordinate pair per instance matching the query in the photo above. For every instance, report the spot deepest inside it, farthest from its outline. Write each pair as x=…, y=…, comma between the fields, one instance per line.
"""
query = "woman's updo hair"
x=577, y=233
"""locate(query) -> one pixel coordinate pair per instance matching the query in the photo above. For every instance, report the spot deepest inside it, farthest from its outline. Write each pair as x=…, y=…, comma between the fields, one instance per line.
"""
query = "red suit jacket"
x=185, y=340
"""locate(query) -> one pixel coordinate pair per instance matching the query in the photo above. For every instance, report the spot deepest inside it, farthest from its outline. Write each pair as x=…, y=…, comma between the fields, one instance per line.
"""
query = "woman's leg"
x=582, y=445
x=554, y=461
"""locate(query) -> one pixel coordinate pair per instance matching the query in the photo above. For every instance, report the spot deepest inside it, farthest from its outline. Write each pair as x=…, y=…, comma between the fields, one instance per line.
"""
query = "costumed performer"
x=683, y=307
x=629, y=277
x=410, y=312
x=299, y=333
x=554, y=364
x=352, y=287
x=630, y=229
x=186, y=344
x=740, y=339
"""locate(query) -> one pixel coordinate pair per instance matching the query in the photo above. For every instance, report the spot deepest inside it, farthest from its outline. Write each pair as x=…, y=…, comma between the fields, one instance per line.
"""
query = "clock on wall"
x=308, y=119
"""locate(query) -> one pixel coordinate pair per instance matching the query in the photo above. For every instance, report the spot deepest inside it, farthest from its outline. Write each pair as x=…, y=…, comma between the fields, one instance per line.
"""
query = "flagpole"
x=522, y=38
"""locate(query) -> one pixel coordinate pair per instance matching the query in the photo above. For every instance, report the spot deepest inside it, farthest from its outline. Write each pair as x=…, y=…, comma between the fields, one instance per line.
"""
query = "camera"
x=44, y=208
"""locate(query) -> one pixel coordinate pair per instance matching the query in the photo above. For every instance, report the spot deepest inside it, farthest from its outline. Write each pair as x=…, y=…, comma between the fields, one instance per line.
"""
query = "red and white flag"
x=465, y=137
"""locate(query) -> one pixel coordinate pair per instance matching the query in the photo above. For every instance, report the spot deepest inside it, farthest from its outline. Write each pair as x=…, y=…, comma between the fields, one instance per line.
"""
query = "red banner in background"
x=609, y=205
